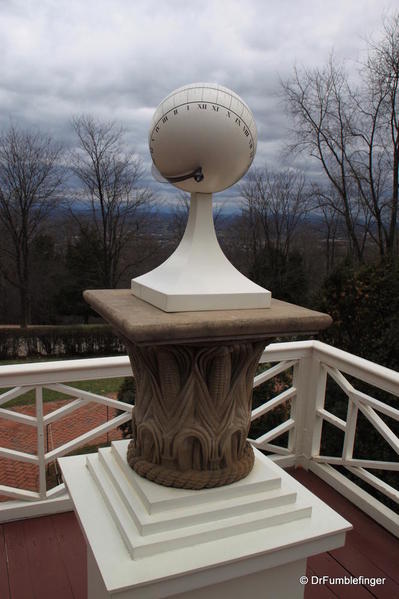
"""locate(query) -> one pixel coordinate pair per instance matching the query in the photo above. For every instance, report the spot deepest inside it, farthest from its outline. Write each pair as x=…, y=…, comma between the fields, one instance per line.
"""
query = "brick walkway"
x=24, y=438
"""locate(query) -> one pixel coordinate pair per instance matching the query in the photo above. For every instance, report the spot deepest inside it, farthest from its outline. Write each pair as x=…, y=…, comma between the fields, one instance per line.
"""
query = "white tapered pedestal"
x=146, y=541
x=198, y=276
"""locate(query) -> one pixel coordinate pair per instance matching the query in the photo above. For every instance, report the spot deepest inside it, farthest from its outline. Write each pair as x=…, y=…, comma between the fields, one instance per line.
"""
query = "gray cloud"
x=118, y=59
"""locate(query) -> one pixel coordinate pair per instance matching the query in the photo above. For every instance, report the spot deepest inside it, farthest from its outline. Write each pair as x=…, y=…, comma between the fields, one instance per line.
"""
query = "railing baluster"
x=350, y=432
x=292, y=435
x=310, y=382
x=40, y=442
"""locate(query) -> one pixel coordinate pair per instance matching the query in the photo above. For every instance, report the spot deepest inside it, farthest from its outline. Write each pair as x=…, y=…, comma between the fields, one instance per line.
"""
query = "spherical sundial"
x=202, y=140
x=204, y=132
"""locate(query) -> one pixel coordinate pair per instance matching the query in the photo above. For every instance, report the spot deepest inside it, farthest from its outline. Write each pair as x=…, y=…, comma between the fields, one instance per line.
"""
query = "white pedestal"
x=146, y=541
x=198, y=276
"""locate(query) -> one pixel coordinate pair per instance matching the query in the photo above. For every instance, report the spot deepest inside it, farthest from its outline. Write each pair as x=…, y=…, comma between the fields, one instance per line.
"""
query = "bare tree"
x=332, y=221
x=354, y=133
x=110, y=177
x=274, y=205
x=382, y=76
x=30, y=182
x=318, y=102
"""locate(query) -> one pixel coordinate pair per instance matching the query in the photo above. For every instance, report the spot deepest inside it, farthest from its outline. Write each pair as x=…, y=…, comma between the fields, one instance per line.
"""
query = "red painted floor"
x=45, y=558
x=370, y=551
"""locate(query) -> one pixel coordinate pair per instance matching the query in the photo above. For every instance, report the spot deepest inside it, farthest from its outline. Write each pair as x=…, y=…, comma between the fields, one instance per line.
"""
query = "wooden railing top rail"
x=44, y=373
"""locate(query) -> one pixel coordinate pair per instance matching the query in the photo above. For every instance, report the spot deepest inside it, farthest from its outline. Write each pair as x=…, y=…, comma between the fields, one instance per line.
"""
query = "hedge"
x=71, y=340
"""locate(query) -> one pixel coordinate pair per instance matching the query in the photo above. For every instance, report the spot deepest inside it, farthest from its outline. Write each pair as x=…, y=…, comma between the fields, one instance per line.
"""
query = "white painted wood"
x=20, y=456
x=378, y=465
x=364, y=370
x=295, y=350
x=310, y=382
x=273, y=433
x=17, y=417
x=281, y=582
x=379, y=425
x=15, y=493
x=292, y=434
x=335, y=461
x=89, y=396
x=204, y=563
x=57, y=491
x=366, y=502
x=273, y=403
x=375, y=482
x=12, y=393
x=339, y=461
x=350, y=432
x=332, y=419
x=375, y=403
x=44, y=373
x=33, y=508
x=273, y=371
x=64, y=410
x=303, y=435
x=49, y=373
x=40, y=443
x=339, y=378
x=95, y=584
x=83, y=439
x=273, y=448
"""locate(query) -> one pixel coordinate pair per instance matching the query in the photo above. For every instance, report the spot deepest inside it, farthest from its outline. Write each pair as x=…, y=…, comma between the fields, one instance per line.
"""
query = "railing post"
x=40, y=443
x=310, y=382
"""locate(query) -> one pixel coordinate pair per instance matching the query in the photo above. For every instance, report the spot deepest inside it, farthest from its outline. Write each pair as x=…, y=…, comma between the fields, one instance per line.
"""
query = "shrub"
x=364, y=305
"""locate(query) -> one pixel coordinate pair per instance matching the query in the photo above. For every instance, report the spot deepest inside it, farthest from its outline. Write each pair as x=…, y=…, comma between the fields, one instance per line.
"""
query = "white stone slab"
x=212, y=554
x=171, y=517
x=146, y=534
x=157, y=498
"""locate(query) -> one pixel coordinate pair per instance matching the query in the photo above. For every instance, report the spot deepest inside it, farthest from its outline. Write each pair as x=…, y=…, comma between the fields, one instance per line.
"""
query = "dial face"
x=207, y=126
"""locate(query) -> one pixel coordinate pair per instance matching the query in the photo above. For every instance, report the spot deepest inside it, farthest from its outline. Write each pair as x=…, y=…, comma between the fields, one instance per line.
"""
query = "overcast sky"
x=117, y=59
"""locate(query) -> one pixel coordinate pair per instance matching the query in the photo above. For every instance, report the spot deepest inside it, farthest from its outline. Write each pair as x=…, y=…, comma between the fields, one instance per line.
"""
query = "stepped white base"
x=147, y=541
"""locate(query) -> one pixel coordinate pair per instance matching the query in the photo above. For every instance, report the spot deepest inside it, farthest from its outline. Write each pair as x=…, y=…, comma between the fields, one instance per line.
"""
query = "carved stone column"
x=193, y=412
x=194, y=373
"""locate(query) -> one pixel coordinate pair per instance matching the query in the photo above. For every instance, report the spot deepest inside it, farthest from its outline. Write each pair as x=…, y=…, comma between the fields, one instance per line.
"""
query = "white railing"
x=308, y=365
x=48, y=375
x=311, y=363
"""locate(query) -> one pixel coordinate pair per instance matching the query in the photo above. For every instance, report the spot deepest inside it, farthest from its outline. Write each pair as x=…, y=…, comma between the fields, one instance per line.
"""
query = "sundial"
x=195, y=327
x=232, y=520
x=202, y=140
